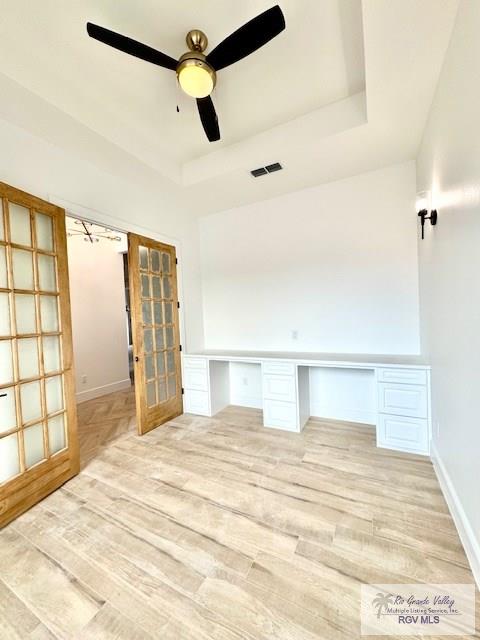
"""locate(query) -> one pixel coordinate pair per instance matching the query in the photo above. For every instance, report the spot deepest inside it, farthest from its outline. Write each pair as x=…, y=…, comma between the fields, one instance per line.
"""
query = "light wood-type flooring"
x=220, y=529
x=104, y=419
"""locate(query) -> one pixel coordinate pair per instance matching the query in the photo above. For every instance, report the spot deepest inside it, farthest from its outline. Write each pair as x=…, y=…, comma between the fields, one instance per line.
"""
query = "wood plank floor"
x=220, y=529
x=104, y=419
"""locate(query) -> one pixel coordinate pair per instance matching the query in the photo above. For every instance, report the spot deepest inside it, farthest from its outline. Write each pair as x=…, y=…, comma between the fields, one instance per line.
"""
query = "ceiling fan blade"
x=247, y=39
x=132, y=47
x=209, y=119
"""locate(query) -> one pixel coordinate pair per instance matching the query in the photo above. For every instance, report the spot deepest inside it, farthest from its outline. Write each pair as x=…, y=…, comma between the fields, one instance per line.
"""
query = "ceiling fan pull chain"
x=196, y=72
x=179, y=95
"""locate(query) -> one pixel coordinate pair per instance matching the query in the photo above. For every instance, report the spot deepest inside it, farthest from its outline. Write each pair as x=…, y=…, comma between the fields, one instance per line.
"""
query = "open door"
x=156, y=335
x=38, y=424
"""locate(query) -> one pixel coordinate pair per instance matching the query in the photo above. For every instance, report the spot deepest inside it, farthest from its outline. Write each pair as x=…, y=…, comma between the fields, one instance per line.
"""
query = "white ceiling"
x=344, y=89
x=133, y=103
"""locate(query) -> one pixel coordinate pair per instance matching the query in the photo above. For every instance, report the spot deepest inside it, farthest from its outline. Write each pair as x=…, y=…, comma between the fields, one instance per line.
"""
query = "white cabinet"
x=402, y=399
x=196, y=379
x=195, y=362
x=206, y=385
x=279, y=387
x=280, y=401
x=279, y=367
x=402, y=376
x=280, y=415
x=403, y=433
x=403, y=414
x=404, y=409
x=196, y=402
x=196, y=397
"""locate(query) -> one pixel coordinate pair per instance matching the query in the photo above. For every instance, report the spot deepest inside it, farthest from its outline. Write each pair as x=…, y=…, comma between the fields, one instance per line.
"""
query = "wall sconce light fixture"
x=423, y=207
x=423, y=215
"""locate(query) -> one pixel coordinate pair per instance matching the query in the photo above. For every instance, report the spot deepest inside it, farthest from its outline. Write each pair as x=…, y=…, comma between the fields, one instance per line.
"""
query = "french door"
x=38, y=429
x=155, y=327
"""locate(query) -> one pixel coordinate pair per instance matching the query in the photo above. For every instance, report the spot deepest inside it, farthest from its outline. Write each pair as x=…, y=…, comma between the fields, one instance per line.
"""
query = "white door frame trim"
x=76, y=210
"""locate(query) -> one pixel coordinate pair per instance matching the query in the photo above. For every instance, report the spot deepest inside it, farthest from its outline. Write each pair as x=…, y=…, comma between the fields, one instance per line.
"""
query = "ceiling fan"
x=197, y=72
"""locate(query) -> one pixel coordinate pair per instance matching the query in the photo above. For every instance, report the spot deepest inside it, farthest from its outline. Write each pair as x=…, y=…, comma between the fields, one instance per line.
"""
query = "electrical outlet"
x=295, y=334
x=245, y=382
x=84, y=379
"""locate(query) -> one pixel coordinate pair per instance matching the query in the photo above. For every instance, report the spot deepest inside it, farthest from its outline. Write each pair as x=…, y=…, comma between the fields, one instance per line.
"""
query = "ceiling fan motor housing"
x=196, y=62
x=196, y=72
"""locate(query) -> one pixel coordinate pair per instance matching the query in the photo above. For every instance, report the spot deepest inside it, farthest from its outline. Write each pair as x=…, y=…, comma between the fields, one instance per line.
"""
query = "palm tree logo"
x=382, y=601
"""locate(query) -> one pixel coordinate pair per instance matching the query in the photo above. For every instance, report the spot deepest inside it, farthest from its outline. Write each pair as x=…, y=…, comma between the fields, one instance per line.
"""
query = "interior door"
x=156, y=335
x=38, y=428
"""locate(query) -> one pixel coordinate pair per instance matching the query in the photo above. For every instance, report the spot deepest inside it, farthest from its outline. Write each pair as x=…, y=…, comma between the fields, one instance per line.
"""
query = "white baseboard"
x=91, y=394
x=470, y=543
x=347, y=415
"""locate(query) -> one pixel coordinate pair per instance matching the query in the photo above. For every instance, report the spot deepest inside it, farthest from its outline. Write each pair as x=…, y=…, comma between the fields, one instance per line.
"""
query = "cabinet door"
x=280, y=415
x=403, y=434
x=197, y=402
x=276, y=387
x=403, y=400
x=38, y=423
x=402, y=375
x=195, y=379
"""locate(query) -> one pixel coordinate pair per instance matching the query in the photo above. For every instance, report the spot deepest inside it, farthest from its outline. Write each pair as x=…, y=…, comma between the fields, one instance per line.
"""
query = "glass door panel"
x=20, y=228
x=153, y=283
x=4, y=314
x=6, y=362
x=49, y=314
x=3, y=268
x=9, y=459
x=38, y=447
x=22, y=269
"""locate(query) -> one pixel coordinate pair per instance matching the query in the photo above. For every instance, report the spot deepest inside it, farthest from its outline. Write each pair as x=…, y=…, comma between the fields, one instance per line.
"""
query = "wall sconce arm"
x=423, y=215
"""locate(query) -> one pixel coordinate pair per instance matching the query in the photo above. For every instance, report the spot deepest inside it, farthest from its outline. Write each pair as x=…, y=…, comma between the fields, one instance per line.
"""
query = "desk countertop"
x=327, y=359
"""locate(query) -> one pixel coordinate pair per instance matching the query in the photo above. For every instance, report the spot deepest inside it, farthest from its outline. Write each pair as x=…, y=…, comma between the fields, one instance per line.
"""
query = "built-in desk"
x=402, y=383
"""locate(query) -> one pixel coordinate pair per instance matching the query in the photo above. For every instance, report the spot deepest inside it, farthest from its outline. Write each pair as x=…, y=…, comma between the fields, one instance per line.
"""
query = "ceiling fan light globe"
x=196, y=78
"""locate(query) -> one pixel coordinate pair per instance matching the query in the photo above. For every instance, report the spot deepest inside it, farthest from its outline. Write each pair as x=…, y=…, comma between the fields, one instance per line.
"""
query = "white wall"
x=129, y=195
x=99, y=320
x=336, y=263
x=449, y=165
x=246, y=385
x=343, y=394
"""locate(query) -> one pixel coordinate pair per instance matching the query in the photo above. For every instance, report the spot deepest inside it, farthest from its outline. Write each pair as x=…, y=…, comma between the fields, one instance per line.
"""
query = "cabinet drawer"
x=281, y=367
x=402, y=400
x=402, y=376
x=280, y=415
x=194, y=363
x=277, y=387
x=195, y=379
x=403, y=434
x=196, y=402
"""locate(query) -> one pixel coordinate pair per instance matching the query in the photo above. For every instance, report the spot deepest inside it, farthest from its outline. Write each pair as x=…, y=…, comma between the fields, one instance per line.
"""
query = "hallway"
x=102, y=420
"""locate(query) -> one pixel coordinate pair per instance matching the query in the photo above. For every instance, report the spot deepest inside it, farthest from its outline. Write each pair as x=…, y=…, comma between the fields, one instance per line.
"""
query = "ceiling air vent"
x=270, y=168
x=256, y=173
x=276, y=166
